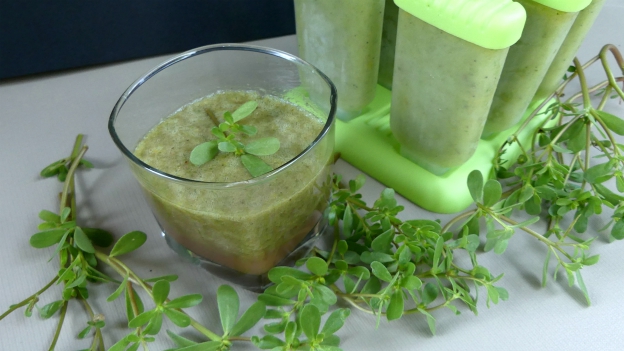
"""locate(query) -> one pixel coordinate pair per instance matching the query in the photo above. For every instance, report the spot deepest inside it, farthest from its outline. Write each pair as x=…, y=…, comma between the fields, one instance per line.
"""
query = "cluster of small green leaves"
x=299, y=299
x=379, y=264
x=60, y=168
x=555, y=178
x=226, y=141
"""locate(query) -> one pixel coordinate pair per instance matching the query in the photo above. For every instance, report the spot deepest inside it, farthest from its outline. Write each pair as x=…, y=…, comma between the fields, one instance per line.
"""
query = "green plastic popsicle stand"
x=366, y=142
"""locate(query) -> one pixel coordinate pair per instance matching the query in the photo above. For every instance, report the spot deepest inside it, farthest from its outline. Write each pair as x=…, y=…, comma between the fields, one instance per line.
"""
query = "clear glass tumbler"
x=236, y=230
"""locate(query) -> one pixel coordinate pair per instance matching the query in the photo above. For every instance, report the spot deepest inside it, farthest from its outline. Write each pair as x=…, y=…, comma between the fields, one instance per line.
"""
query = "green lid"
x=492, y=24
x=565, y=5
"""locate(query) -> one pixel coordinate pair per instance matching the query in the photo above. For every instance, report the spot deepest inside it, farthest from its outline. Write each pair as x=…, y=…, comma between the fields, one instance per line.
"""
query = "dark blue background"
x=49, y=35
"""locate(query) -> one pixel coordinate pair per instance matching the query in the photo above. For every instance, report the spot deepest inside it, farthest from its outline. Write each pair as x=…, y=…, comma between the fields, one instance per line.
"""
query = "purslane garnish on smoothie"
x=226, y=133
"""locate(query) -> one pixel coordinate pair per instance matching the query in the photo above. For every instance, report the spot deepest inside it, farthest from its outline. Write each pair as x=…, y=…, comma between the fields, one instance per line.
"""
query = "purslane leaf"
x=255, y=165
x=50, y=309
x=82, y=241
x=310, y=321
x=614, y=123
x=228, y=304
x=396, y=306
x=142, y=319
x=249, y=318
x=263, y=146
x=178, y=318
x=335, y=321
x=128, y=243
x=160, y=291
x=475, y=185
x=46, y=238
x=185, y=301
x=317, y=266
x=204, y=152
x=380, y=271
x=244, y=110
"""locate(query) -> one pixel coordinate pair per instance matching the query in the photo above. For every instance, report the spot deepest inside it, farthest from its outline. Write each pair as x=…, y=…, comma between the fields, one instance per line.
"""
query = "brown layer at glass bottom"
x=252, y=282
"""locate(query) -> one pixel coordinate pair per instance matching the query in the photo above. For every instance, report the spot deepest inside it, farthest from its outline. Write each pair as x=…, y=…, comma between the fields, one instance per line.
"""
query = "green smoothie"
x=527, y=63
x=251, y=225
x=442, y=90
x=342, y=39
x=571, y=44
x=388, y=44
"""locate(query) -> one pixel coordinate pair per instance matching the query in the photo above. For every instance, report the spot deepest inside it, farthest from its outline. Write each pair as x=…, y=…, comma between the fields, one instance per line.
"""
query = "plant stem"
x=27, y=300
x=122, y=270
x=538, y=237
x=457, y=219
x=97, y=338
x=59, y=326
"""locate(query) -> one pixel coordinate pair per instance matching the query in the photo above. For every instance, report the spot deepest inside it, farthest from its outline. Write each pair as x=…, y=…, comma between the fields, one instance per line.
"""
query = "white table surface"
x=41, y=115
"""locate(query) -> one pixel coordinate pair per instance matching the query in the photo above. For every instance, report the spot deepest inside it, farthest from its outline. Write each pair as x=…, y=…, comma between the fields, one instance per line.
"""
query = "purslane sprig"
x=226, y=134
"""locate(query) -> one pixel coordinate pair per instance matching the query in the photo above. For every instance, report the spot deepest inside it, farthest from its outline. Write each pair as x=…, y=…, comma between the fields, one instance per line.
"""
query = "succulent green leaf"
x=317, y=266
x=268, y=342
x=85, y=163
x=244, y=110
x=263, y=146
x=185, y=301
x=437, y=253
x=65, y=212
x=82, y=241
x=49, y=216
x=154, y=325
x=475, y=185
x=255, y=165
x=129, y=306
x=276, y=274
x=599, y=173
x=380, y=271
x=335, y=321
x=617, y=231
x=47, y=238
x=429, y=293
x=53, y=168
x=310, y=321
x=160, y=292
x=396, y=306
x=492, y=192
x=84, y=332
x=249, y=130
x=142, y=319
x=250, y=318
x=347, y=222
x=229, y=119
x=612, y=122
x=128, y=243
x=228, y=303
x=178, y=318
x=411, y=282
x=204, y=152
x=226, y=146
x=119, y=290
x=50, y=309
x=383, y=242
x=272, y=300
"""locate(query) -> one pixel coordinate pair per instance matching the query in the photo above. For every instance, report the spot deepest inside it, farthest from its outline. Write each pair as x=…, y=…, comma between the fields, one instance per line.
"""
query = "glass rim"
x=202, y=50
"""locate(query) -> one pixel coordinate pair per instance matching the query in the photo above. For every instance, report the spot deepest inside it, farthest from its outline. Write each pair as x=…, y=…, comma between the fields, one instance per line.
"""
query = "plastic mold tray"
x=366, y=142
